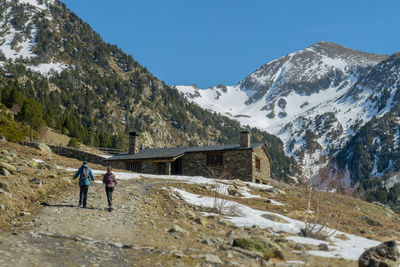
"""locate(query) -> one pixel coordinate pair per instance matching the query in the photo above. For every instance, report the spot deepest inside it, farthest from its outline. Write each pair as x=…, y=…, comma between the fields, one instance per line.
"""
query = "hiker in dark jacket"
x=110, y=181
x=84, y=173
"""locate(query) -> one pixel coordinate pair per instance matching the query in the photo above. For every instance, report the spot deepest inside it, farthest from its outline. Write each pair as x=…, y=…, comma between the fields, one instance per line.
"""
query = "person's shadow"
x=45, y=204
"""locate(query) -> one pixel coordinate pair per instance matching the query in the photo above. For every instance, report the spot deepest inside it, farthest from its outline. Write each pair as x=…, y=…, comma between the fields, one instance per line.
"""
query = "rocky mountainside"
x=316, y=100
x=93, y=91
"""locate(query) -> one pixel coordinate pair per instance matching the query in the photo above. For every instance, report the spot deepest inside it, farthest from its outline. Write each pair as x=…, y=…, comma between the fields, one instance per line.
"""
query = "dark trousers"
x=83, y=195
x=109, y=191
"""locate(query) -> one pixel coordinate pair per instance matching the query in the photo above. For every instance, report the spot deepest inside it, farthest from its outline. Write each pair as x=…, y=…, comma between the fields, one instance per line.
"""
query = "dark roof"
x=178, y=151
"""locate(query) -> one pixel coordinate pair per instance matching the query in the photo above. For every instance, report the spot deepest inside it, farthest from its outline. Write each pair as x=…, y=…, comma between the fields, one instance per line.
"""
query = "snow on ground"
x=220, y=186
x=349, y=249
x=48, y=68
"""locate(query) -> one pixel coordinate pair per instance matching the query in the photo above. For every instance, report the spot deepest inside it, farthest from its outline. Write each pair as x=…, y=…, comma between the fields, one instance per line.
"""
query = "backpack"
x=85, y=173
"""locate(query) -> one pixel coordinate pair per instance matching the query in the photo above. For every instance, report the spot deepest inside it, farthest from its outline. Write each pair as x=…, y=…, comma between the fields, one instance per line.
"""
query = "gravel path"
x=62, y=234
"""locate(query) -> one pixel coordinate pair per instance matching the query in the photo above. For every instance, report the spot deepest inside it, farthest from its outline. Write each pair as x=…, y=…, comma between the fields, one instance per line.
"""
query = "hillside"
x=93, y=91
x=172, y=220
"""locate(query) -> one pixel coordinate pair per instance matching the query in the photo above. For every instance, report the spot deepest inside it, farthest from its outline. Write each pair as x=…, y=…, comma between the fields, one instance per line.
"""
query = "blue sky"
x=222, y=41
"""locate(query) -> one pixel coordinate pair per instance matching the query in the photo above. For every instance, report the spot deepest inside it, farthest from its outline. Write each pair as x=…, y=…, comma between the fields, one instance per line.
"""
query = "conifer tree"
x=32, y=113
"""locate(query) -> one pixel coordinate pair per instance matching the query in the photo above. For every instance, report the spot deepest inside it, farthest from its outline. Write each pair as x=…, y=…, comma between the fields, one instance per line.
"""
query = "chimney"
x=245, y=138
x=133, y=144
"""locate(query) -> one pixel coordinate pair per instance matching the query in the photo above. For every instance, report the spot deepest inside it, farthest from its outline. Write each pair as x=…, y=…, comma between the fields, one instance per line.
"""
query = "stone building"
x=244, y=161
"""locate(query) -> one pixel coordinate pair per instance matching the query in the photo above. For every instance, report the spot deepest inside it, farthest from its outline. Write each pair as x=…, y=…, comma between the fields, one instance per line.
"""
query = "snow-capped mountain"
x=308, y=98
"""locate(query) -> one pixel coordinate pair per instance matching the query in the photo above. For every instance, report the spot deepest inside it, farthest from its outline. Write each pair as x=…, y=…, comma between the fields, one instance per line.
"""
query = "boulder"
x=323, y=247
x=44, y=147
x=36, y=182
x=370, y=221
x=66, y=180
x=385, y=254
x=177, y=229
x=238, y=182
x=9, y=167
x=2, y=192
x=212, y=258
x=5, y=172
x=201, y=220
x=4, y=186
x=234, y=191
x=274, y=218
x=2, y=138
x=265, y=246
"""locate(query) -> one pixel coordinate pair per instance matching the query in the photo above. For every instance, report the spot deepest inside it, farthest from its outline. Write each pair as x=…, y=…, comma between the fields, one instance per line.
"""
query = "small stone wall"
x=74, y=153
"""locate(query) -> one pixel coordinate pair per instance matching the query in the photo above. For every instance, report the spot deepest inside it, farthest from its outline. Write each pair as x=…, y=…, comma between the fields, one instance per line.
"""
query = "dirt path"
x=62, y=234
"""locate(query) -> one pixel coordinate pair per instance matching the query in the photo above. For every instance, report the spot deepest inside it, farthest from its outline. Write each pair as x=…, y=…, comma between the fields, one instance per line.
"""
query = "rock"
x=2, y=138
x=36, y=181
x=225, y=223
x=201, y=220
x=191, y=214
x=8, y=167
x=4, y=186
x=265, y=246
x=33, y=164
x=385, y=254
x=178, y=254
x=2, y=207
x=177, y=229
x=24, y=213
x=5, y=172
x=212, y=258
x=299, y=247
x=234, y=191
x=238, y=182
x=370, y=221
x=2, y=192
x=274, y=218
x=66, y=180
x=323, y=247
x=44, y=147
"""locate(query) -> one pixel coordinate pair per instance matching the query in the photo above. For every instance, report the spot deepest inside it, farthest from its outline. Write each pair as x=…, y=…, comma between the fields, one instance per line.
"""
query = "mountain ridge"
x=315, y=99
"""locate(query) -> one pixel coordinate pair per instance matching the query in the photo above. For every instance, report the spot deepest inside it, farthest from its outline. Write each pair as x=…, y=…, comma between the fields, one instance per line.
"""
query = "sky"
x=211, y=42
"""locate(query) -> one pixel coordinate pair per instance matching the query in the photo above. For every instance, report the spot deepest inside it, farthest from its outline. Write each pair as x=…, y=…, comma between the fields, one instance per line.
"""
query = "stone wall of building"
x=264, y=174
x=236, y=165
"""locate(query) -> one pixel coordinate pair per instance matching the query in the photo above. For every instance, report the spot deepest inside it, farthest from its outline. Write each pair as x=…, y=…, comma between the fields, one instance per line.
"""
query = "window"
x=134, y=166
x=215, y=159
x=258, y=164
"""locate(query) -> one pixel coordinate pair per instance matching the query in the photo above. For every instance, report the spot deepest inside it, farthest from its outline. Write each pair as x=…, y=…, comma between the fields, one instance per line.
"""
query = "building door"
x=176, y=166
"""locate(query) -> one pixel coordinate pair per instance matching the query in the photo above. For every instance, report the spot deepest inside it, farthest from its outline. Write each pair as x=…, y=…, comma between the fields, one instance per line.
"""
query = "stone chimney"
x=245, y=138
x=133, y=144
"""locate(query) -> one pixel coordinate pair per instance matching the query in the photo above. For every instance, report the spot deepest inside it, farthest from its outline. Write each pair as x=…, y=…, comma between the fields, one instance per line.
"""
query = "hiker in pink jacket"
x=110, y=181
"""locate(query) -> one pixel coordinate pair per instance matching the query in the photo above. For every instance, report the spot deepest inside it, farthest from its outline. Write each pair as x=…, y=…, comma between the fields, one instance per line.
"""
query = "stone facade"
x=236, y=164
x=263, y=173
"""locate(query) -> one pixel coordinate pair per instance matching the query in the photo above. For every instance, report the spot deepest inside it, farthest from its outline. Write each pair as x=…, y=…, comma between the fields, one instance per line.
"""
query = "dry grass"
x=25, y=195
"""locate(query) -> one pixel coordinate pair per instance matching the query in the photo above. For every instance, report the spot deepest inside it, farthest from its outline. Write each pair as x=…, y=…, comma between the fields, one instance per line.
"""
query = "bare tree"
x=317, y=185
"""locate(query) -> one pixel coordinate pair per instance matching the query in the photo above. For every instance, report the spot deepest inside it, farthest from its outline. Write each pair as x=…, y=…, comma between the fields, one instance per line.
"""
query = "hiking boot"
x=79, y=204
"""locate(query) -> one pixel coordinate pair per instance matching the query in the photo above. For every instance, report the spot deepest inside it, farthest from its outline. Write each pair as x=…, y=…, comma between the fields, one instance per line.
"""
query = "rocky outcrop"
x=386, y=254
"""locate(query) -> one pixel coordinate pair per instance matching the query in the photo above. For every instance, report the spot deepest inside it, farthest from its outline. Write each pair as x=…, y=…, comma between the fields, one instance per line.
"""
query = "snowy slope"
x=306, y=90
x=18, y=33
